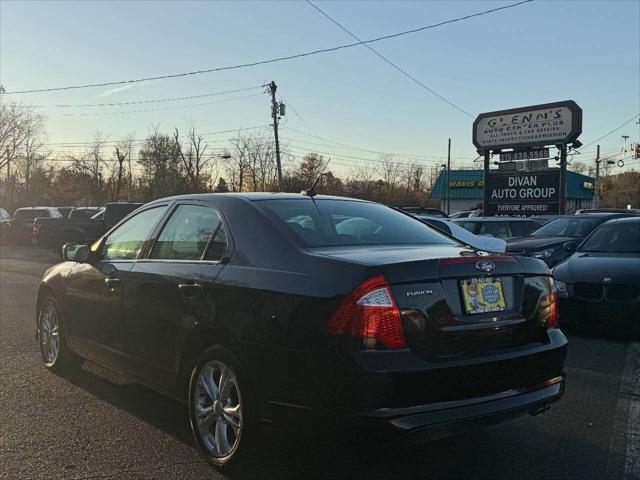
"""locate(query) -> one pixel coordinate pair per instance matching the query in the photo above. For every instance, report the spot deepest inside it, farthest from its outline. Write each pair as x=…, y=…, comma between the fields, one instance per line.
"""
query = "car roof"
x=630, y=219
x=256, y=196
x=605, y=214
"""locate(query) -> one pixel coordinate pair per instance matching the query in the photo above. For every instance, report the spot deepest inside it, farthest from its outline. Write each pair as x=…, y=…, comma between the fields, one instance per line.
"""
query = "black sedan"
x=599, y=285
x=284, y=308
x=556, y=240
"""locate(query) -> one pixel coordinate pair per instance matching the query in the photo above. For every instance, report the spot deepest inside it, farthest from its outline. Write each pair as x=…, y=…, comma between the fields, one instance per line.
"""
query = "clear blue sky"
x=544, y=51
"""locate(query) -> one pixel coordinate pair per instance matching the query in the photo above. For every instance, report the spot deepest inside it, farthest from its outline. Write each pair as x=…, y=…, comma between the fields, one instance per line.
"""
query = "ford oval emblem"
x=486, y=266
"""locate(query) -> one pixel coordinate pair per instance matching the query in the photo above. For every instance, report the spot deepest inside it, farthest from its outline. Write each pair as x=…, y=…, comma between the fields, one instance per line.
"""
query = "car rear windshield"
x=324, y=223
x=622, y=237
x=31, y=214
x=567, y=227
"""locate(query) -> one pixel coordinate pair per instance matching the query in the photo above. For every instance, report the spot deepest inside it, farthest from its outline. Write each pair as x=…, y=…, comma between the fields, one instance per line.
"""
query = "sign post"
x=527, y=132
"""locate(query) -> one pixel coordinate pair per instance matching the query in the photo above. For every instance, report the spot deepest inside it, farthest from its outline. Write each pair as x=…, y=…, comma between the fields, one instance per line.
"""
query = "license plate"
x=483, y=295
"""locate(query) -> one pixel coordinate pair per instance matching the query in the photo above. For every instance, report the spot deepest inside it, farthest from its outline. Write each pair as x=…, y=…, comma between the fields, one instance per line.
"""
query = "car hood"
x=622, y=268
x=536, y=243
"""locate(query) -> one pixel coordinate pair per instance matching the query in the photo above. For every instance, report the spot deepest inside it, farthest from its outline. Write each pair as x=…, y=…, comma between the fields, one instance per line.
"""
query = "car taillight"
x=370, y=311
x=554, y=311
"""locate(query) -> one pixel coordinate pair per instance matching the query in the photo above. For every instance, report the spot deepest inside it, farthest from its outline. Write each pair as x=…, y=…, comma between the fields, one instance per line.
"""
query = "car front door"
x=94, y=289
x=172, y=290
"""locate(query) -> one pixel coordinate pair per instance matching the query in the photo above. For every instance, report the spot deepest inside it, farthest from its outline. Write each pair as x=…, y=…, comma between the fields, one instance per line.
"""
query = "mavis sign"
x=539, y=125
x=522, y=193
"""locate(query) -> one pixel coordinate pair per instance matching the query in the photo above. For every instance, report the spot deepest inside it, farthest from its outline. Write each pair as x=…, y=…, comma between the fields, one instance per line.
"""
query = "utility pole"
x=121, y=157
x=596, y=196
x=563, y=179
x=448, y=173
x=274, y=114
x=9, y=192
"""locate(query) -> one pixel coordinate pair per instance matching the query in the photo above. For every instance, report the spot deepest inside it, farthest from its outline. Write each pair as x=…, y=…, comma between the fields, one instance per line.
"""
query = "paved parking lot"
x=93, y=425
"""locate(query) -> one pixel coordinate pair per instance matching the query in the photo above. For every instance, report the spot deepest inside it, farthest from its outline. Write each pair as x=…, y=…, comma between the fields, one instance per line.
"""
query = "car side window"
x=125, y=242
x=218, y=246
x=187, y=233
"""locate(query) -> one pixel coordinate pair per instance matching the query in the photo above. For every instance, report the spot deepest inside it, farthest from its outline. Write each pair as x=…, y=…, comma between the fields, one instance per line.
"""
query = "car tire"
x=221, y=412
x=54, y=351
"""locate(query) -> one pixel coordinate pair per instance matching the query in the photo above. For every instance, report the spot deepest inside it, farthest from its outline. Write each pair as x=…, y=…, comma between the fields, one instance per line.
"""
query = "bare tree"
x=390, y=170
x=18, y=124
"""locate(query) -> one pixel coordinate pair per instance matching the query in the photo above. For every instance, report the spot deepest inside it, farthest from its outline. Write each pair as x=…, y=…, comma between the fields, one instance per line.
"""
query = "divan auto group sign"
x=534, y=193
x=539, y=125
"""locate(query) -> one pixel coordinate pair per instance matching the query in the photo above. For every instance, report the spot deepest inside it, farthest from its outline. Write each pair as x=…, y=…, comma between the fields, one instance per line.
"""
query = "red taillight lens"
x=554, y=311
x=370, y=311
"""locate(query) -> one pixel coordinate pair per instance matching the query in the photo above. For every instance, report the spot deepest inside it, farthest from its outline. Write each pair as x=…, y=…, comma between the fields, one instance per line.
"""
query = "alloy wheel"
x=218, y=409
x=49, y=334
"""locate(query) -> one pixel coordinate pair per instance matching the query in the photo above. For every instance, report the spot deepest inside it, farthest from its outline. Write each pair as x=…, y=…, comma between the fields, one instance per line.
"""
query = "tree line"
x=182, y=161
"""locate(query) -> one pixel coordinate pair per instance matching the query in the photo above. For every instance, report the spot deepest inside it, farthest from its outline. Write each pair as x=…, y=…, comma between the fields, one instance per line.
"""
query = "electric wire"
x=273, y=60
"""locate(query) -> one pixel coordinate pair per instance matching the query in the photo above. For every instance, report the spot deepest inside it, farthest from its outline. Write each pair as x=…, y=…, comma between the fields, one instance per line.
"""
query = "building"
x=466, y=187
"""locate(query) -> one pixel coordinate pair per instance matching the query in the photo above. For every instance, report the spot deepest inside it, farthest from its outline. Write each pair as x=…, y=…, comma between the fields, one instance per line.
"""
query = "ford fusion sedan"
x=599, y=285
x=556, y=240
x=287, y=308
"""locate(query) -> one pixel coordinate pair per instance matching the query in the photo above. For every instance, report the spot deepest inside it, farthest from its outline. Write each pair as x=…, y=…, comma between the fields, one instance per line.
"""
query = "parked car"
x=548, y=242
x=599, y=285
x=488, y=244
x=255, y=307
x=499, y=227
x=53, y=233
x=20, y=227
x=5, y=219
x=425, y=212
x=466, y=214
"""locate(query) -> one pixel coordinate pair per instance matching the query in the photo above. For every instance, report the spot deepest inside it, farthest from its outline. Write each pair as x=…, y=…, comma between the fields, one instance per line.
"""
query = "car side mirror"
x=75, y=252
x=570, y=246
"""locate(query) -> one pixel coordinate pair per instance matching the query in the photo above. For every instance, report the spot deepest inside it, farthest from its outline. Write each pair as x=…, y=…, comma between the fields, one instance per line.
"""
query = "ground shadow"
x=520, y=449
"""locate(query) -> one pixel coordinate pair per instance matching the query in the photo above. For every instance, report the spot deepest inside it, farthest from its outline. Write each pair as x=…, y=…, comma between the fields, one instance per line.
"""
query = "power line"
x=611, y=132
x=138, y=102
x=404, y=72
x=273, y=60
x=178, y=107
x=219, y=132
x=353, y=147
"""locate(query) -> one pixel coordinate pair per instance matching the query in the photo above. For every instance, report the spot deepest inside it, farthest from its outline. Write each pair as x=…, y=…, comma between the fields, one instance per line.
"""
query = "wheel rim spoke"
x=218, y=408
x=49, y=334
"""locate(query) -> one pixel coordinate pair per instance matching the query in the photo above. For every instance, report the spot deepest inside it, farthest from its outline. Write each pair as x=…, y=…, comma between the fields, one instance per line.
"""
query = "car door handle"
x=112, y=283
x=190, y=290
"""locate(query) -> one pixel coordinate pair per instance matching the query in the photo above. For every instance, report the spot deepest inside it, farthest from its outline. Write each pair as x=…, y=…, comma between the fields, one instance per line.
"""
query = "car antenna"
x=311, y=192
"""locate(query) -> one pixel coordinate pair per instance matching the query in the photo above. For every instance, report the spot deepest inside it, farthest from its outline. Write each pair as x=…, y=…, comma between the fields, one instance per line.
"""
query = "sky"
x=538, y=52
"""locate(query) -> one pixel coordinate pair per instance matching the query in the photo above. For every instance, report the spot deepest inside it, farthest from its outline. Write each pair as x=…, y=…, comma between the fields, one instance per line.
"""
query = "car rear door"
x=173, y=289
x=94, y=289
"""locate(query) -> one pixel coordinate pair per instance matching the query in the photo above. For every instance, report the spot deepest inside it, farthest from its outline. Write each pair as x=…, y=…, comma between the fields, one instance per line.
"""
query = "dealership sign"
x=522, y=128
x=536, y=193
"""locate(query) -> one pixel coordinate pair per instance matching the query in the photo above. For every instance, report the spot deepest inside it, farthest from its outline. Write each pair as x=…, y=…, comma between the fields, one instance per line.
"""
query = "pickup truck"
x=19, y=228
x=55, y=232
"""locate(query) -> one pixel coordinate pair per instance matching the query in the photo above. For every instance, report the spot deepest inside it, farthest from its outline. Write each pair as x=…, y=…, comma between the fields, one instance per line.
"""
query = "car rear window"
x=323, y=223
x=622, y=237
x=567, y=227
x=31, y=214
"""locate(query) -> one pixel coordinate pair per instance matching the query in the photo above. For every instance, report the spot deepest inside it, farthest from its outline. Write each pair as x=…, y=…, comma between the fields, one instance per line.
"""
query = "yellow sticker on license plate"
x=483, y=295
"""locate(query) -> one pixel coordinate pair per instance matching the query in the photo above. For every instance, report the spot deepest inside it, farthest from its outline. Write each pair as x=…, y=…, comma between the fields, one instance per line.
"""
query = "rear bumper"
x=437, y=420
